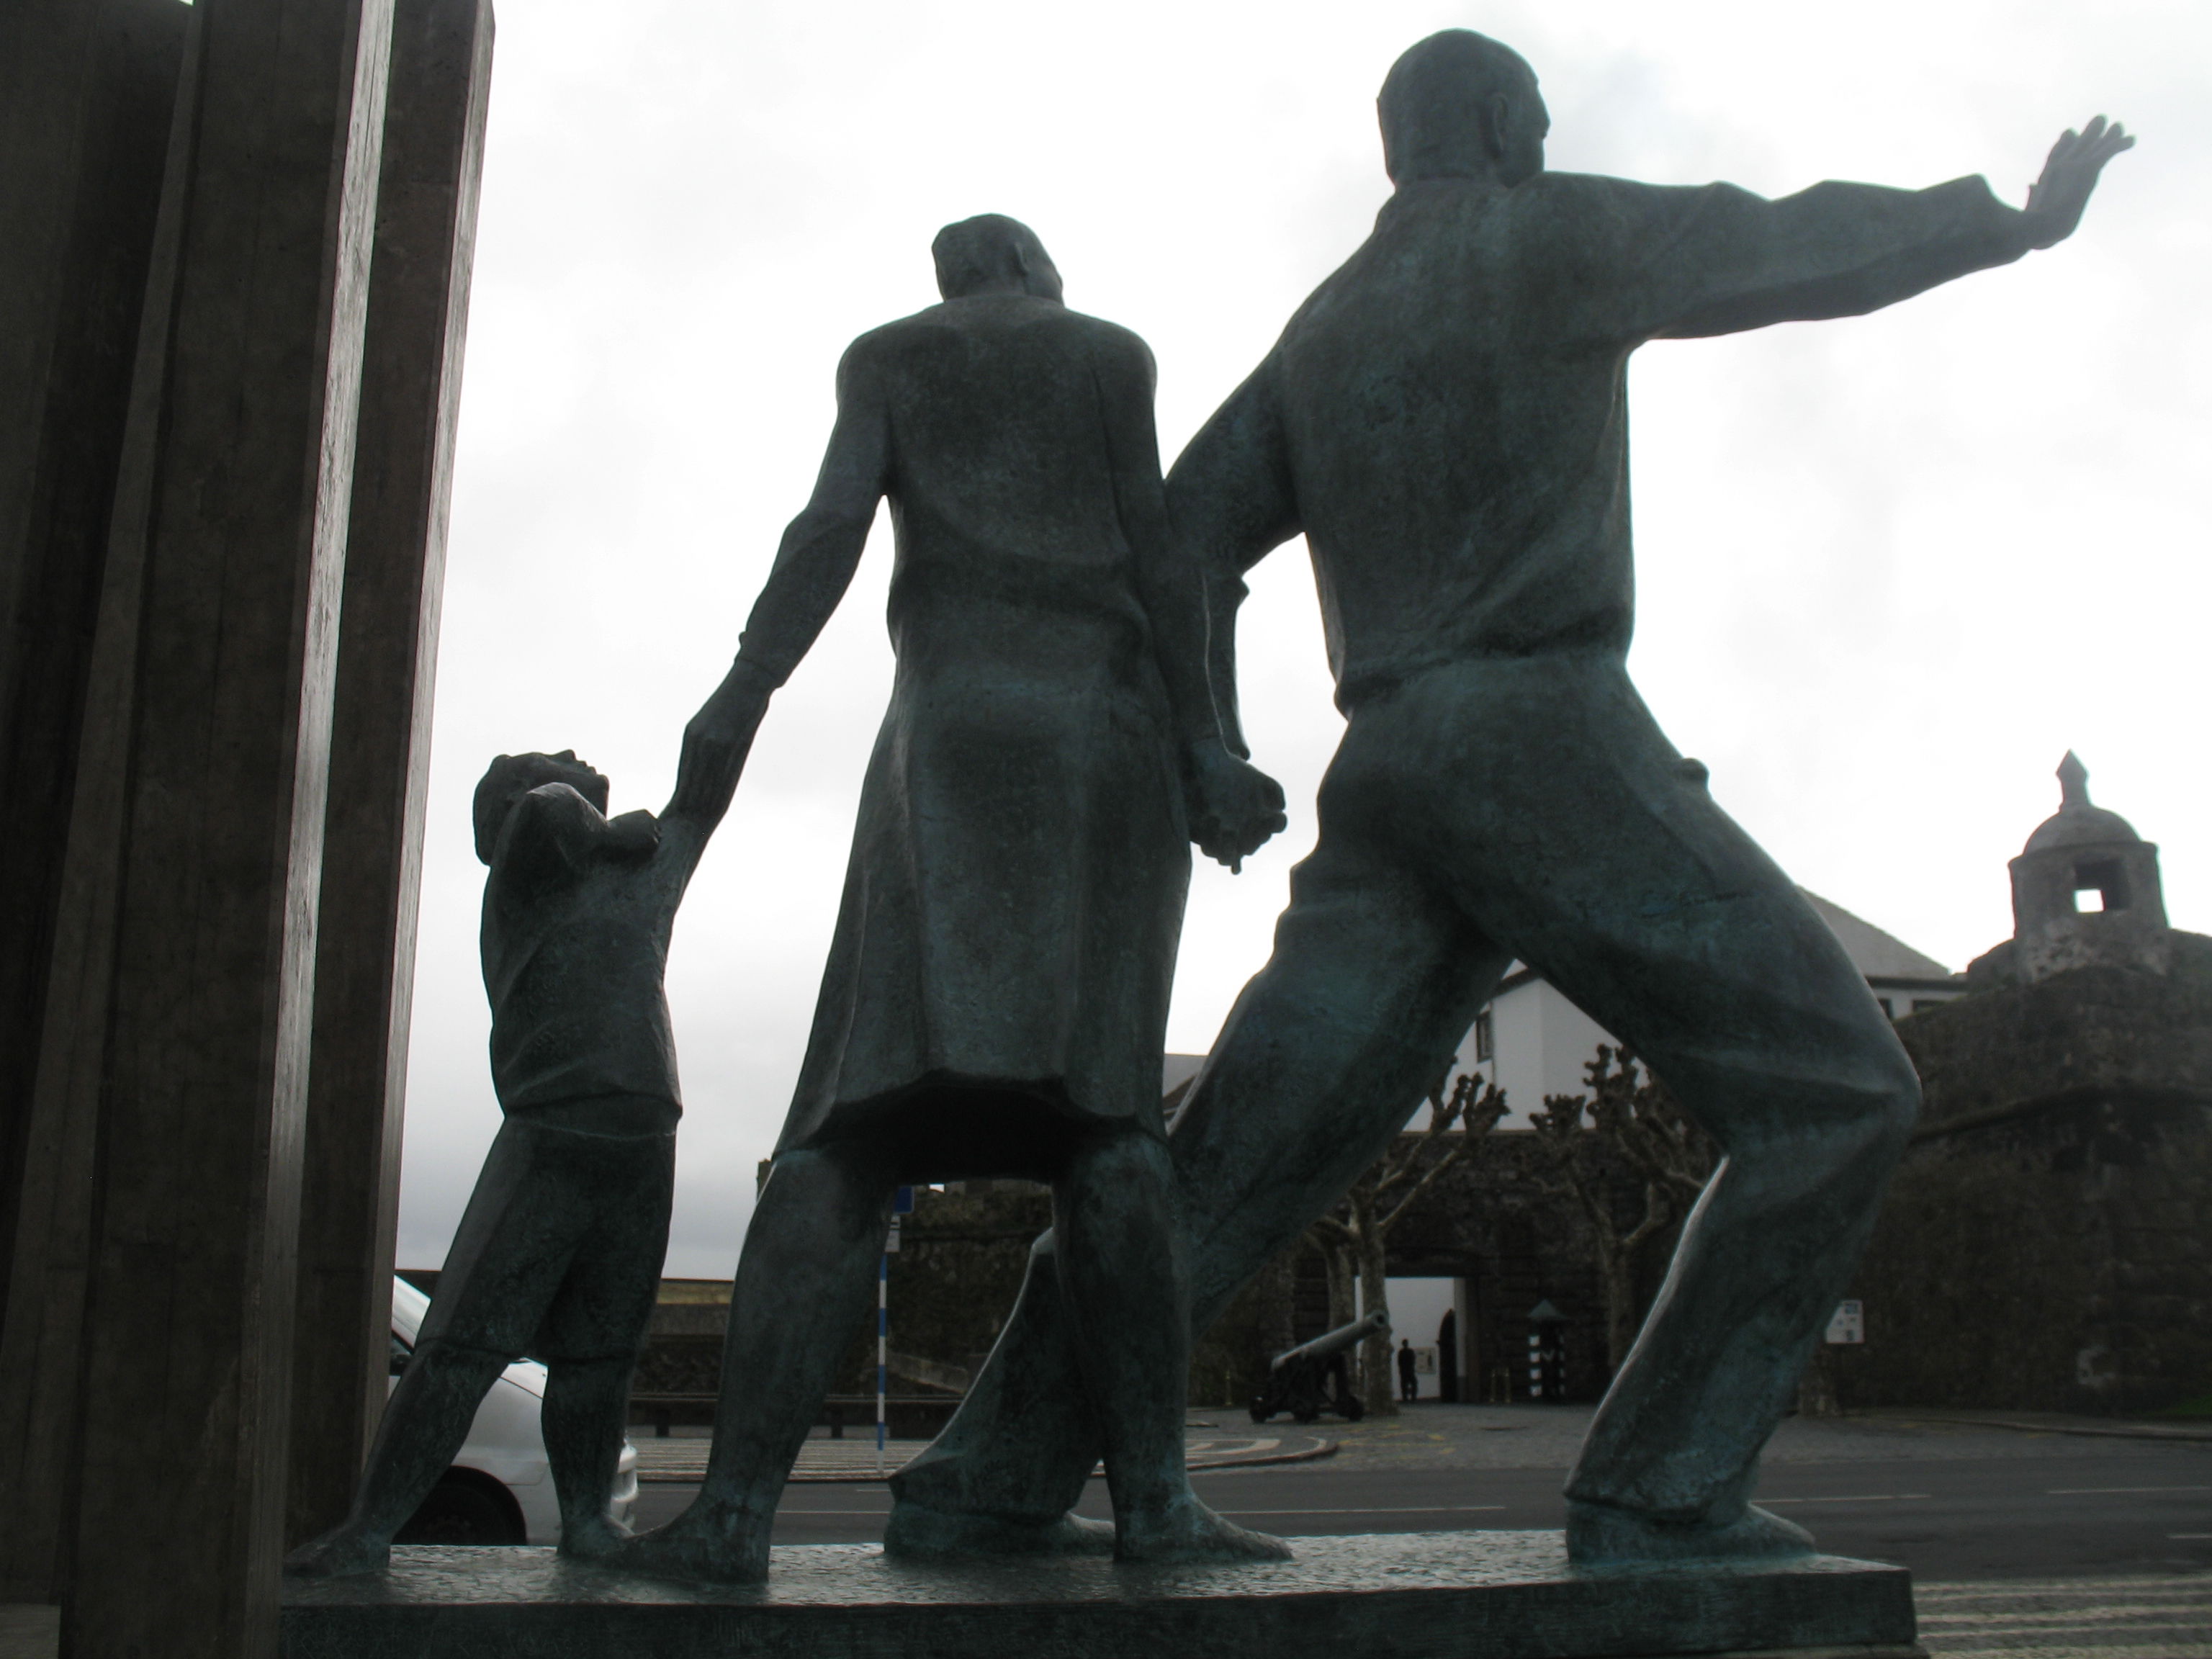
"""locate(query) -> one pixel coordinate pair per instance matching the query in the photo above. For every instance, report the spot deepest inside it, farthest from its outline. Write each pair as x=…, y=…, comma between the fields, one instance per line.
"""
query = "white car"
x=500, y=1489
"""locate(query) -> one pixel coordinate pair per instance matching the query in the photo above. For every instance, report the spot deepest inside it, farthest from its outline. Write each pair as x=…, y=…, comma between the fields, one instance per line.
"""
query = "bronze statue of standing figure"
x=1445, y=421
x=995, y=1001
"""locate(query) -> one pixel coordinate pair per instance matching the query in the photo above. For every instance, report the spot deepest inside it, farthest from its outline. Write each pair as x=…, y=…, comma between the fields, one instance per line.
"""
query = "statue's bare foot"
x=915, y=1532
x=596, y=1540
x=716, y=1548
x=1186, y=1530
x=1599, y=1535
x=340, y=1554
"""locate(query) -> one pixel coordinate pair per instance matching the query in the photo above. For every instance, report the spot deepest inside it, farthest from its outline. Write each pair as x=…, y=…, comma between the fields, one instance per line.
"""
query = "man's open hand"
x=2056, y=200
x=1234, y=806
x=716, y=745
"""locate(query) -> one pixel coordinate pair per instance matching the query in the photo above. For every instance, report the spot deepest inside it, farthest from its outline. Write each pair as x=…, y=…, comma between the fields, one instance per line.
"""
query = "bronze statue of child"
x=558, y=1254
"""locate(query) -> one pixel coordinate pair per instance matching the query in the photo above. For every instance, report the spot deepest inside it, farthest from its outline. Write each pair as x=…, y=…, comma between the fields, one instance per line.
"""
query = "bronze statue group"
x=1444, y=421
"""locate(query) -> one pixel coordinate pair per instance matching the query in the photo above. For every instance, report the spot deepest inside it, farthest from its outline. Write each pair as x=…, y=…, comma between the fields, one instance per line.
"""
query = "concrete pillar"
x=381, y=743
x=152, y=1369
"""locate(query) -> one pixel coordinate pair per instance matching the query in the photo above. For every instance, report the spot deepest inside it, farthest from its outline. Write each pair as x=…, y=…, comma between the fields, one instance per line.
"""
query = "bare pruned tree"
x=1353, y=1238
x=1629, y=1120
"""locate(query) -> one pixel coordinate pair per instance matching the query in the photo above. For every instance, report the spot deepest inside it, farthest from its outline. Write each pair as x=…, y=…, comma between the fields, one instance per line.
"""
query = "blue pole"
x=883, y=1346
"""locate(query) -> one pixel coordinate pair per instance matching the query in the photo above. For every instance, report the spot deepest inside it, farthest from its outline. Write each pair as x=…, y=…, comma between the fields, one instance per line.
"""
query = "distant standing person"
x=1445, y=422
x=1409, y=1384
x=558, y=1254
x=995, y=1001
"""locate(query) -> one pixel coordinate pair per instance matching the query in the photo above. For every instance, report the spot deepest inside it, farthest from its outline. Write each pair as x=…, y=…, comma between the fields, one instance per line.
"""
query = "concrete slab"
x=1500, y=1594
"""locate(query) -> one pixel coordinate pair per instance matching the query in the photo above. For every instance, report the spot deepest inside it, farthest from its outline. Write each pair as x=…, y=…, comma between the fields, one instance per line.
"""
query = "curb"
x=2113, y=1432
x=1314, y=1449
x=1311, y=1453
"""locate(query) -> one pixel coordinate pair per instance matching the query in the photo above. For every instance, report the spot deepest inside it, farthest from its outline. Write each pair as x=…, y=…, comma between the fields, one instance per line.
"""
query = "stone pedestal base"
x=1400, y=1595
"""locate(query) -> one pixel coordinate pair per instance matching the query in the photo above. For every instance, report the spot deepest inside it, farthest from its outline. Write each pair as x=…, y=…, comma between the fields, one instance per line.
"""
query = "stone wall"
x=2045, y=1244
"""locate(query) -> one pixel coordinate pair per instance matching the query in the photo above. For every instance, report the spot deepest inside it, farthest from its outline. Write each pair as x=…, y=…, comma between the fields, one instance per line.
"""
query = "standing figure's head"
x=1459, y=105
x=991, y=253
x=510, y=777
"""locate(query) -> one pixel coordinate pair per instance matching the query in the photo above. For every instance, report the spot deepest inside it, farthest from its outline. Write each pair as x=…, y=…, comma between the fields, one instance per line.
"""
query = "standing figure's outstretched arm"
x=1689, y=262
x=814, y=566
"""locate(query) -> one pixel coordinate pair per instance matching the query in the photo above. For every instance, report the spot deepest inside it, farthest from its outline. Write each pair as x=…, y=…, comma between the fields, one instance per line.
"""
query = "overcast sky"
x=1891, y=568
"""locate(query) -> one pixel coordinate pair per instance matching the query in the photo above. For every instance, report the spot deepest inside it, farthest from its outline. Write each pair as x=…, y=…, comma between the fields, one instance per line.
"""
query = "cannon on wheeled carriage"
x=1314, y=1377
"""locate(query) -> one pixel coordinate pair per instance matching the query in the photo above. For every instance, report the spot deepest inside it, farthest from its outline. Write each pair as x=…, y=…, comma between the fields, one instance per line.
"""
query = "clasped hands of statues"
x=1233, y=806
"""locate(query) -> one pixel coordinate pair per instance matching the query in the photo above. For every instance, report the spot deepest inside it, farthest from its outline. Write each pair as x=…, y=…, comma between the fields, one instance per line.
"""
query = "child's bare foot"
x=340, y=1552
x=1186, y=1530
x=917, y=1533
x=717, y=1547
x=595, y=1539
x=1599, y=1535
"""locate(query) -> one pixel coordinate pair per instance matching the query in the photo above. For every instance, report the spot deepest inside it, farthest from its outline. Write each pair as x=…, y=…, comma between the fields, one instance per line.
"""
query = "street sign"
x=1849, y=1324
x=903, y=1201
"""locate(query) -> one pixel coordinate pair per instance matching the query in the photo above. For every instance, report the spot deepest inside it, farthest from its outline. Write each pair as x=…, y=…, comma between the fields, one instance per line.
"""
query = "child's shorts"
x=559, y=1253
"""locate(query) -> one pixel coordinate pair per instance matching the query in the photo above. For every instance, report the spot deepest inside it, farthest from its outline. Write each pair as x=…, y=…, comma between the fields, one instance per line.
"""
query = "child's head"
x=511, y=777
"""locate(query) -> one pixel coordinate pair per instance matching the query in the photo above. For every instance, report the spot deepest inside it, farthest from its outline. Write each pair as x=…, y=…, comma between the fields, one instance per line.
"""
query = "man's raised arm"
x=1717, y=259
x=814, y=566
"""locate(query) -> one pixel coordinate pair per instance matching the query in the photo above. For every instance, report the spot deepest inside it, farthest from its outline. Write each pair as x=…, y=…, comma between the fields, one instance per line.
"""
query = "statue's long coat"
x=1019, y=865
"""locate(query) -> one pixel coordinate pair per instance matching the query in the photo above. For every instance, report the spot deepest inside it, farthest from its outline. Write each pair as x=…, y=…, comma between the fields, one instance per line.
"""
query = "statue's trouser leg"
x=424, y=1425
x=804, y=1283
x=587, y=1406
x=531, y=1204
x=1531, y=802
x=590, y=1334
x=1580, y=838
x=1374, y=981
x=1122, y=1277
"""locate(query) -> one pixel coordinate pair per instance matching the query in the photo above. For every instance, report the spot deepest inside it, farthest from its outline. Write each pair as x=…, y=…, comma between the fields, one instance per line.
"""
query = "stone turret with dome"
x=2086, y=891
x=2042, y=1246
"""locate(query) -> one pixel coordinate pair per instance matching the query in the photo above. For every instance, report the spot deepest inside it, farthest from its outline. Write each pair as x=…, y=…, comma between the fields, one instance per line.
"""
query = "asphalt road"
x=2135, y=1509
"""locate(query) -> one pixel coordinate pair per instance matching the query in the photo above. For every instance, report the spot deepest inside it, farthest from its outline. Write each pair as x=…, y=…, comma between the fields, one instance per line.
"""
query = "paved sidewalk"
x=2132, y=1617
x=681, y=1457
x=2102, y=1428
x=1530, y=1437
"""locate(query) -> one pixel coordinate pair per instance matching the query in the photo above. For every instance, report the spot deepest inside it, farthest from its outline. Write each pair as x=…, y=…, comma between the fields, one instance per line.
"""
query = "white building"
x=1532, y=1041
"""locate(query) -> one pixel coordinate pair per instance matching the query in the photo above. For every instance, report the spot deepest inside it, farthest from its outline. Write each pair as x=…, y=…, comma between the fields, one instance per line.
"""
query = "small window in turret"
x=2099, y=886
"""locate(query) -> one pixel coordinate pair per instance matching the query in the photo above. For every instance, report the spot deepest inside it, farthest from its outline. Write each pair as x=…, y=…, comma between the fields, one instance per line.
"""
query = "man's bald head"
x=1459, y=105
x=991, y=253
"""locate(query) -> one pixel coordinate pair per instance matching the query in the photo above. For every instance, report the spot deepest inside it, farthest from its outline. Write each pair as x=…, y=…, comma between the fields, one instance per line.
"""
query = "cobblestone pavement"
x=2144, y=1618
